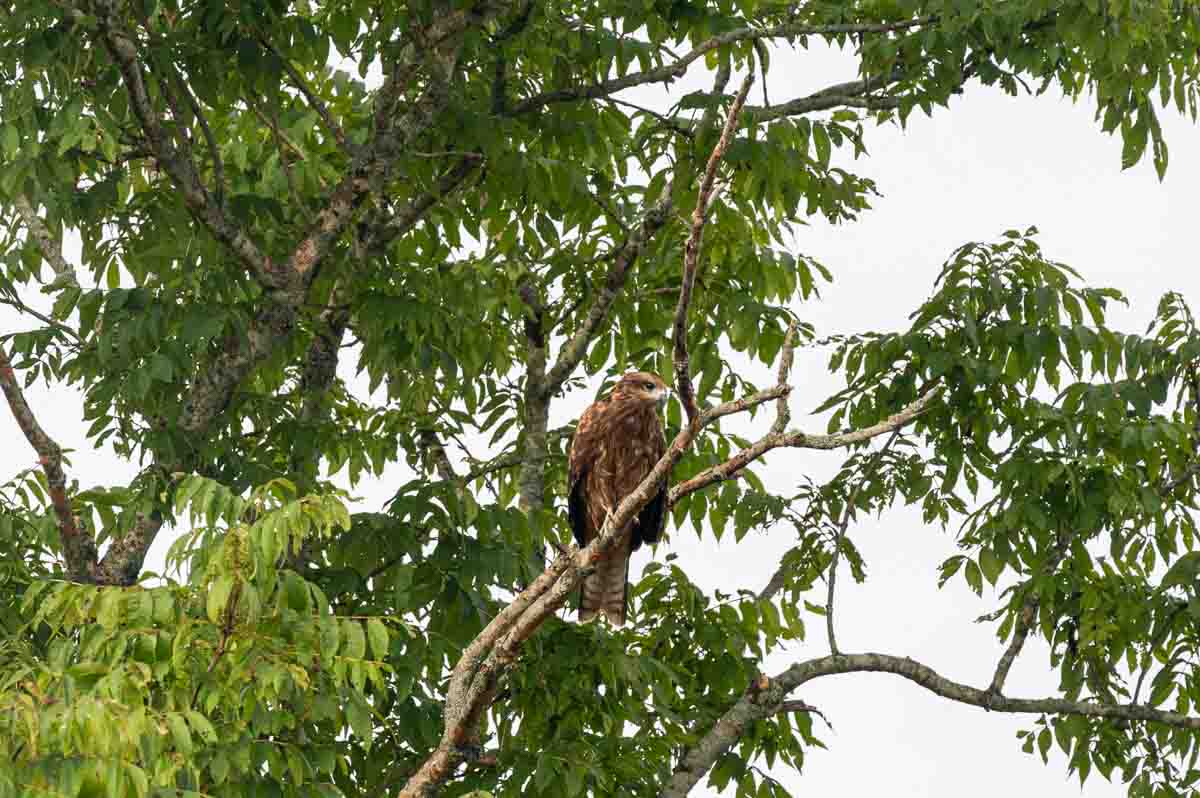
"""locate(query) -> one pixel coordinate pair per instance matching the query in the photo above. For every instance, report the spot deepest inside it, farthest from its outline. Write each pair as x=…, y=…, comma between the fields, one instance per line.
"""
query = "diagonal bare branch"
x=787, y=355
x=382, y=230
x=1028, y=614
x=575, y=349
x=654, y=218
x=314, y=102
x=177, y=164
x=79, y=549
x=851, y=94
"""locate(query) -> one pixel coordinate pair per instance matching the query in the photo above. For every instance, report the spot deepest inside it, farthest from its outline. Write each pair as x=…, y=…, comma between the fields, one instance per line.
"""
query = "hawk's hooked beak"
x=663, y=395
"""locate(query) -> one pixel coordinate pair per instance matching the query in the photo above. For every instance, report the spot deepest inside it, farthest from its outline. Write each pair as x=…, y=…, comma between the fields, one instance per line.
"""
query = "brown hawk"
x=617, y=442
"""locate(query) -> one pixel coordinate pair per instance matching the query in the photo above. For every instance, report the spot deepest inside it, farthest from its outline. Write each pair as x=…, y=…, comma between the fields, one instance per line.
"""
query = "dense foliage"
x=477, y=216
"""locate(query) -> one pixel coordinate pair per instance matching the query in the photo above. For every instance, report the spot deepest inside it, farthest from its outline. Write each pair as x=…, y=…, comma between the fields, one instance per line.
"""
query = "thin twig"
x=314, y=102
x=867, y=473
x=691, y=256
x=1029, y=610
x=801, y=706
x=800, y=440
x=209, y=139
x=16, y=304
x=677, y=68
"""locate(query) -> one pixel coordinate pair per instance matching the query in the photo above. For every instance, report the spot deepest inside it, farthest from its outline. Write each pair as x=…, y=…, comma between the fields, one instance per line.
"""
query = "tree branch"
x=841, y=95
x=51, y=247
x=537, y=402
x=783, y=412
x=760, y=703
x=575, y=349
x=314, y=102
x=320, y=367
x=372, y=167
x=214, y=151
x=178, y=165
x=79, y=549
x=122, y=563
x=1029, y=610
x=436, y=453
x=382, y=231
x=799, y=440
x=212, y=389
x=678, y=67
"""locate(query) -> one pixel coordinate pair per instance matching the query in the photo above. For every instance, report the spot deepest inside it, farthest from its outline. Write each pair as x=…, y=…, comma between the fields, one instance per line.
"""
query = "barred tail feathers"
x=604, y=590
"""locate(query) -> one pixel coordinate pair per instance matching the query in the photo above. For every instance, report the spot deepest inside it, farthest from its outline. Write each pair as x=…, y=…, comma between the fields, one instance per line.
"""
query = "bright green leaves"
x=225, y=682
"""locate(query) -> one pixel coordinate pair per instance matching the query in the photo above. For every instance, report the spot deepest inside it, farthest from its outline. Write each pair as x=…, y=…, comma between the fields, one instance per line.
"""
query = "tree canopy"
x=460, y=200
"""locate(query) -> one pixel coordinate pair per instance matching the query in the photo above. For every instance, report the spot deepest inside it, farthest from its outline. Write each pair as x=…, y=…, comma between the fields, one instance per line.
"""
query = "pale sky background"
x=987, y=164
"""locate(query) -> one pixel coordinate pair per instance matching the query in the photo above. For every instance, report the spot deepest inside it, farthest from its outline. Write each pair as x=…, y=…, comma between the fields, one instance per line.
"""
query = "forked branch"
x=799, y=440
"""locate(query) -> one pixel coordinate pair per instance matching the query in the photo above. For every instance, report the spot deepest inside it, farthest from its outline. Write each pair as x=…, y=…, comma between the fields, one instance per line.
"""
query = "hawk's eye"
x=649, y=386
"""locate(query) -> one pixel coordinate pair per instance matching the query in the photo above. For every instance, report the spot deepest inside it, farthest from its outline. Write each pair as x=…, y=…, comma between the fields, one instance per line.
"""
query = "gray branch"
x=768, y=696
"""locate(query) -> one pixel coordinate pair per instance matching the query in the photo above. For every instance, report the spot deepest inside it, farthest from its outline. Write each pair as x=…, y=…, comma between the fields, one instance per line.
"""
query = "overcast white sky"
x=988, y=164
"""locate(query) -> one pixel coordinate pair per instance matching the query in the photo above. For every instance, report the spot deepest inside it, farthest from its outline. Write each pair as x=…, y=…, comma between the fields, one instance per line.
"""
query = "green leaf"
x=9, y=141
x=218, y=597
x=1183, y=571
x=974, y=577
x=180, y=733
x=354, y=642
x=359, y=717
x=378, y=636
x=990, y=565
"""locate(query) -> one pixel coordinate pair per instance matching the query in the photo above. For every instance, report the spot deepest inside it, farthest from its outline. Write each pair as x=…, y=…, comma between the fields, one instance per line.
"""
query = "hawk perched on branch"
x=617, y=442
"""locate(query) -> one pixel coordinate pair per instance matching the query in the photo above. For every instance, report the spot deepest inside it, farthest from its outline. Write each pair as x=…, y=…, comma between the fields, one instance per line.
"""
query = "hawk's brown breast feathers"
x=617, y=442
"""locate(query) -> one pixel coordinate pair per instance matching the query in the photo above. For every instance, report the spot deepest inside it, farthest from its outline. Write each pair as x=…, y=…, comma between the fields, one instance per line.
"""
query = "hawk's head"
x=642, y=386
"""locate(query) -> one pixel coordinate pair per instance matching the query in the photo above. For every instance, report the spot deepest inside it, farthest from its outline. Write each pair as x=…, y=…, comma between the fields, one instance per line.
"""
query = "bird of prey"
x=617, y=442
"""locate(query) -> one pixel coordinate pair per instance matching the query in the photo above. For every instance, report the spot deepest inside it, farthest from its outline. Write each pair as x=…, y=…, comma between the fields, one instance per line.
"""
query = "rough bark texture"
x=50, y=246
x=287, y=282
x=537, y=405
